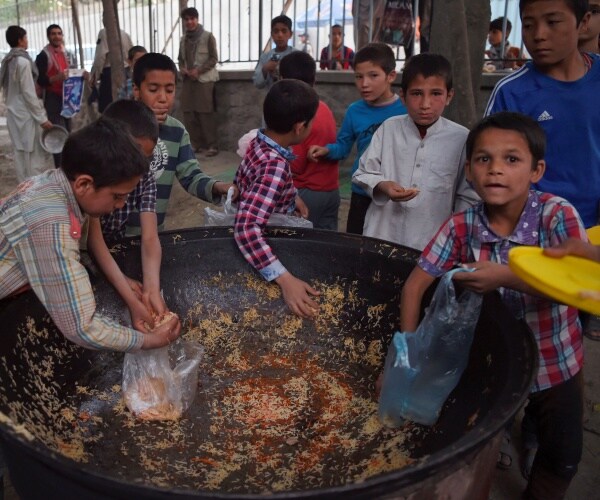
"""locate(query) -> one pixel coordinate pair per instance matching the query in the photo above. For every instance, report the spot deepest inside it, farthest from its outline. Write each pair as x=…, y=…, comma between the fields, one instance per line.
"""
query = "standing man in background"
x=53, y=64
x=101, y=67
x=198, y=58
x=24, y=111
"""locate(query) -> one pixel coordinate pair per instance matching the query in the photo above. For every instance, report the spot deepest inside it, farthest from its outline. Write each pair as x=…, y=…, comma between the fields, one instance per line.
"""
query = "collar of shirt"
x=63, y=182
x=286, y=153
x=432, y=129
x=525, y=233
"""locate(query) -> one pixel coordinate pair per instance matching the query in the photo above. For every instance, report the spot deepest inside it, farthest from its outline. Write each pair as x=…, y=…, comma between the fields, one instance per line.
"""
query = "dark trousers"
x=557, y=417
x=53, y=106
x=359, y=205
x=105, y=91
x=323, y=207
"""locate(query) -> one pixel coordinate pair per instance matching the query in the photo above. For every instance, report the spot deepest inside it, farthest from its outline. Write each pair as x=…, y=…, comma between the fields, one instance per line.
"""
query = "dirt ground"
x=187, y=211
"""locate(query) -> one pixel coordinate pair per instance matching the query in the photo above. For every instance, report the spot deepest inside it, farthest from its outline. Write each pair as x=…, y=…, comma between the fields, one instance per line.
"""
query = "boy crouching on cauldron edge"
x=40, y=229
x=264, y=179
x=505, y=155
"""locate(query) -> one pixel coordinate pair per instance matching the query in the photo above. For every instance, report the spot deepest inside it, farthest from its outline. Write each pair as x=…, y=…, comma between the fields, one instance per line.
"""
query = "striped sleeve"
x=50, y=258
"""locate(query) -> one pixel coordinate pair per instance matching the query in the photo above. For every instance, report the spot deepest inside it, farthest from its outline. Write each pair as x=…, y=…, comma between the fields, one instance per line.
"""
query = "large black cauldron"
x=41, y=372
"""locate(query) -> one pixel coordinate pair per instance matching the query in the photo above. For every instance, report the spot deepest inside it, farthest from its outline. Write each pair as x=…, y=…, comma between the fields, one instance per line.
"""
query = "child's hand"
x=395, y=191
x=301, y=208
x=220, y=189
x=141, y=316
x=160, y=112
x=296, y=295
x=154, y=302
x=488, y=276
x=573, y=246
x=163, y=334
x=270, y=67
x=136, y=287
x=316, y=152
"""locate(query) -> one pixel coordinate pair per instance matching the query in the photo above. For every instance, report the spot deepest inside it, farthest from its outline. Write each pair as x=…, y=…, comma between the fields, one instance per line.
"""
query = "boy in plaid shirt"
x=265, y=182
x=504, y=157
x=40, y=231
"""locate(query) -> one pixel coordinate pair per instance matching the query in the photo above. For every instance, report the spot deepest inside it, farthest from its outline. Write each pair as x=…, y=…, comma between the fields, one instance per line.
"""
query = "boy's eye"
x=481, y=159
x=120, y=197
x=512, y=159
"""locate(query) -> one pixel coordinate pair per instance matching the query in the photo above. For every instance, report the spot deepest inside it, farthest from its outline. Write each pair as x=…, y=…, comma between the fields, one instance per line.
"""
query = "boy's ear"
x=450, y=96
x=299, y=128
x=136, y=92
x=402, y=96
x=584, y=23
x=391, y=76
x=468, y=175
x=82, y=184
x=538, y=171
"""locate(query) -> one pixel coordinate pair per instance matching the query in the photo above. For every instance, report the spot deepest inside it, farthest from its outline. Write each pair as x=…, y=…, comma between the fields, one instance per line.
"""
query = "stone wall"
x=239, y=103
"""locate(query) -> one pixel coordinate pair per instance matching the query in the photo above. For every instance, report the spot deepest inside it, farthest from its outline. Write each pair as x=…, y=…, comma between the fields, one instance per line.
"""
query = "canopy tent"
x=326, y=13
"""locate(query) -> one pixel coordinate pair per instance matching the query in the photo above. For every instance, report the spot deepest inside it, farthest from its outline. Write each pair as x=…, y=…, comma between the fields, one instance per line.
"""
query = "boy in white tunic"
x=414, y=167
x=25, y=113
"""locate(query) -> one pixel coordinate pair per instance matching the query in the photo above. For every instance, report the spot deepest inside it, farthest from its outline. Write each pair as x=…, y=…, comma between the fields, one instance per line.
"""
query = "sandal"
x=505, y=454
x=527, y=458
x=591, y=328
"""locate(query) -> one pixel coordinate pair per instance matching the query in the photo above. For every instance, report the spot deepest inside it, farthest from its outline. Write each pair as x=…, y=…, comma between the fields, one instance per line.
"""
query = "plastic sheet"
x=226, y=217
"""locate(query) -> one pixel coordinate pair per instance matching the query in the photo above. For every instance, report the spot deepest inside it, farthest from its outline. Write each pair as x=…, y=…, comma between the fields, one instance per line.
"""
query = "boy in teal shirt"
x=374, y=68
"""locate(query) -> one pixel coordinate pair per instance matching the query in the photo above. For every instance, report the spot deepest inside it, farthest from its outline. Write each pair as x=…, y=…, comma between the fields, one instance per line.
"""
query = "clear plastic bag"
x=227, y=216
x=160, y=384
x=422, y=368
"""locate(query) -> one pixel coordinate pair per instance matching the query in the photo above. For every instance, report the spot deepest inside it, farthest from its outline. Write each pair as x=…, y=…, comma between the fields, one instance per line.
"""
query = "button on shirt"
x=39, y=246
x=265, y=182
x=546, y=221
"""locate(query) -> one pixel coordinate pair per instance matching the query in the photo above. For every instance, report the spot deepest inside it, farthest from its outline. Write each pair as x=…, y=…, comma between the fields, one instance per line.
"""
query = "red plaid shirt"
x=265, y=182
x=546, y=221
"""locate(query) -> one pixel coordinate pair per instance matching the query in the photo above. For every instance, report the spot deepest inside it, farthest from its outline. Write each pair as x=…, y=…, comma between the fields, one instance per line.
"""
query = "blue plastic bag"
x=72, y=93
x=422, y=368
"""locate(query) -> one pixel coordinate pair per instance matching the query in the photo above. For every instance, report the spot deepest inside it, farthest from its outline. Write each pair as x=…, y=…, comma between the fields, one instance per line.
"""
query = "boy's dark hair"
x=299, y=66
x=52, y=27
x=496, y=24
x=531, y=131
x=578, y=7
x=426, y=65
x=282, y=20
x=190, y=12
x=336, y=26
x=134, y=50
x=379, y=54
x=136, y=116
x=150, y=62
x=105, y=151
x=14, y=34
x=287, y=103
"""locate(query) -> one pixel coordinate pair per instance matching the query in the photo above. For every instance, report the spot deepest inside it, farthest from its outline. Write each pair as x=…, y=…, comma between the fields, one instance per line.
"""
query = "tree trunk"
x=458, y=31
x=110, y=18
x=77, y=29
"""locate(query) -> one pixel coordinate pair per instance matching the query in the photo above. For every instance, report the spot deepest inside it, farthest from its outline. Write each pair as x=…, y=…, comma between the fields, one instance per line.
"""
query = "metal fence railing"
x=241, y=27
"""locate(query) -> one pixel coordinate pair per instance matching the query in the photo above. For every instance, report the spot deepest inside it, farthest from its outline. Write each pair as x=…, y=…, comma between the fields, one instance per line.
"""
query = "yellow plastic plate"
x=594, y=235
x=571, y=280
